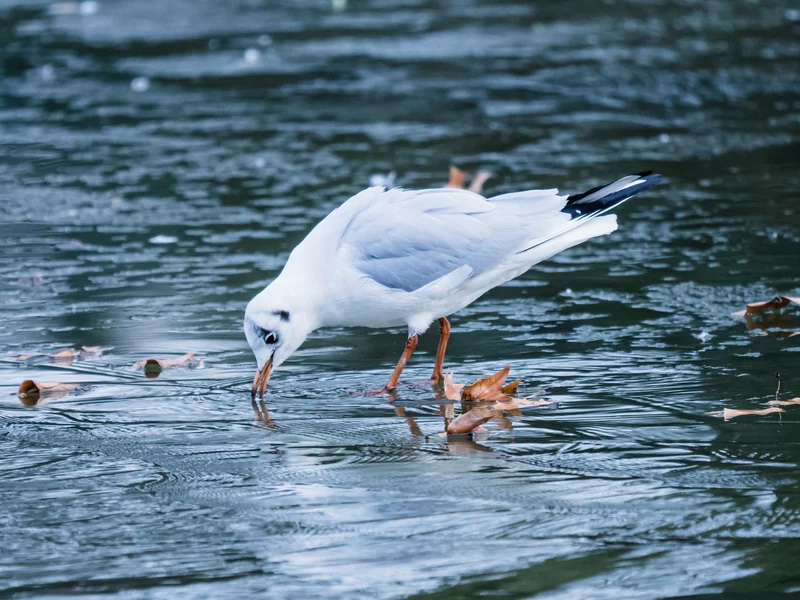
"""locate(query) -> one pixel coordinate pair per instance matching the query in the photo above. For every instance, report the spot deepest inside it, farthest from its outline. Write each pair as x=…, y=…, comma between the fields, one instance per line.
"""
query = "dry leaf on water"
x=512, y=404
x=458, y=180
x=31, y=391
x=452, y=391
x=732, y=413
x=470, y=420
x=491, y=388
x=153, y=366
x=487, y=389
x=775, y=304
x=91, y=349
x=476, y=185
x=21, y=357
x=64, y=356
x=784, y=402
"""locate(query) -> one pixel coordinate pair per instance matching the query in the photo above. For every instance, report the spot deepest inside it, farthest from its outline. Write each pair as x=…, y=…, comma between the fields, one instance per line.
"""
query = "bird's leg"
x=411, y=345
x=444, y=335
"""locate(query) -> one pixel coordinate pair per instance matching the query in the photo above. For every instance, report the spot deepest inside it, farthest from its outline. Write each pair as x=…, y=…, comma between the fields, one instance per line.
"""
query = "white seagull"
x=387, y=258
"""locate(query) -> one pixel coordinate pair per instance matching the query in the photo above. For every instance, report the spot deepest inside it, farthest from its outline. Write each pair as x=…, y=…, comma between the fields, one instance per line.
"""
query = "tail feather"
x=605, y=197
x=596, y=201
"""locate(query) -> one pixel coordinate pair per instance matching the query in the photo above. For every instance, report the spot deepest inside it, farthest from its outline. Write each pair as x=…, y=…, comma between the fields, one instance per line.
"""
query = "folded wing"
x=405, y=239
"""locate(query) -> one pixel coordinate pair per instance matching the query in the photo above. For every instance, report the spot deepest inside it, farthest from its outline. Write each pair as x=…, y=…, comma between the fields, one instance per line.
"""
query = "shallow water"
x=158, y=161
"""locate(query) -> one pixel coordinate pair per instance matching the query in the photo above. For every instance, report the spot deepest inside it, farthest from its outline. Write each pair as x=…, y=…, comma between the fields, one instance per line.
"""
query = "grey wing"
x=405, y=240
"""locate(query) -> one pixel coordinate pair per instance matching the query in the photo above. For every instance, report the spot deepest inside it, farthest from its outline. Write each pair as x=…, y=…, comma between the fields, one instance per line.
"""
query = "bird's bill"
x=261, y=379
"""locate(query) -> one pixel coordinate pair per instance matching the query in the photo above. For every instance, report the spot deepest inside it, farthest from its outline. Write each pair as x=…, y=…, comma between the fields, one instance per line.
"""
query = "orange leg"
x=411, y=345
x=444, y=335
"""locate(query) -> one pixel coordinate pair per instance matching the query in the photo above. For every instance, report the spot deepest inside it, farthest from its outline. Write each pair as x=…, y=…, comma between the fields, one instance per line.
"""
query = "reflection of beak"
x=261, y=379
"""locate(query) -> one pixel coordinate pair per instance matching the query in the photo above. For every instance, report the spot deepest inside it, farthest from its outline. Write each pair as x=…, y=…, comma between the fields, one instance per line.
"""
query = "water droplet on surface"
x=381, y=179
x=163, y=239
x=703, y=336
x=140, y=84
x=47, y=73
x=88, y=7
x=251, y=56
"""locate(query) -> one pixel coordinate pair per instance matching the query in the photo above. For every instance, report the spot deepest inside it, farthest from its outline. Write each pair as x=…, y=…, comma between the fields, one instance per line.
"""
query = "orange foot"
x=384, y=390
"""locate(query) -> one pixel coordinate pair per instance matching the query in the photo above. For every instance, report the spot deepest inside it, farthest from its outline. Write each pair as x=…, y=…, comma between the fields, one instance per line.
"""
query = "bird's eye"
x=270, y=338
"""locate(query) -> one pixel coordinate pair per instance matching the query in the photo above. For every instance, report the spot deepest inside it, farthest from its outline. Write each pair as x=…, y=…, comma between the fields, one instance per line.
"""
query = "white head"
x=274, y=331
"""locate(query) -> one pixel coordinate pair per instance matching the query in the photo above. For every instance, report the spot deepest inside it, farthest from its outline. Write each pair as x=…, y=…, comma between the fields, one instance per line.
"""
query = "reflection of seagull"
x=403, y=257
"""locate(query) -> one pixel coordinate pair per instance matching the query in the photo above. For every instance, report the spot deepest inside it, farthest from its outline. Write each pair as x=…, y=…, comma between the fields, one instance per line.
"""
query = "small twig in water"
x=778, y=391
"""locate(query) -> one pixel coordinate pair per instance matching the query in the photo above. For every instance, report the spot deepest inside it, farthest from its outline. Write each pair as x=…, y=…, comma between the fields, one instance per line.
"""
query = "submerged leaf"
x=489, y=388
x=775, y=304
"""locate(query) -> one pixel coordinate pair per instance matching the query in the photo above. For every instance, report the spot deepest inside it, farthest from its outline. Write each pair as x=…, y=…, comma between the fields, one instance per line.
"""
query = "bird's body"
x=387, y=258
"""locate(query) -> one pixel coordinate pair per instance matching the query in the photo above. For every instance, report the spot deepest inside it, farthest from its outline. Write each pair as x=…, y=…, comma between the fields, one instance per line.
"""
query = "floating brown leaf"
x=157, y=364
x=29, y=386
x=478, y=180
x=784, y=402
x=514, y=404
x=511, y=388
x=452, y=391
x=732, y=413
x=91, y=349
x=775, y=304
x=489, y=389
x=470, y=420
x=457, y=178
x=31, y=392
x=63, y=356
x=22, y=357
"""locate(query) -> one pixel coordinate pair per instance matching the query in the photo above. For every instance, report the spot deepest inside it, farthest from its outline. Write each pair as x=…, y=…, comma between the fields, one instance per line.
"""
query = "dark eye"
x=269, y=337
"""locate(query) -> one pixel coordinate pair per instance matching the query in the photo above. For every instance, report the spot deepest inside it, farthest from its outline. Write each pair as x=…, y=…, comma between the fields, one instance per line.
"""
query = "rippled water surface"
x=159, y=160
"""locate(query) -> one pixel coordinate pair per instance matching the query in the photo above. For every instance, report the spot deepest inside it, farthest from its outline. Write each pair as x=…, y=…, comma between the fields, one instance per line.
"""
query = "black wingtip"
x=590, y=203
x=651, y=176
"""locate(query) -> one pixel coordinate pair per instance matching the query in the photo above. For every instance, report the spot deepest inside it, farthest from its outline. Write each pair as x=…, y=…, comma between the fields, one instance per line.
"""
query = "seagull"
x=398, y=257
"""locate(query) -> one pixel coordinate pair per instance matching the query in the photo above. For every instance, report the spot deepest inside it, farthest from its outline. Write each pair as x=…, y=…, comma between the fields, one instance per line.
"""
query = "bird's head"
x=274, y=332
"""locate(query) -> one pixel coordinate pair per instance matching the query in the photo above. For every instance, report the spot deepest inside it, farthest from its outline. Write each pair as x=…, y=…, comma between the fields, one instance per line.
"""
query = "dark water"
x=158, y=161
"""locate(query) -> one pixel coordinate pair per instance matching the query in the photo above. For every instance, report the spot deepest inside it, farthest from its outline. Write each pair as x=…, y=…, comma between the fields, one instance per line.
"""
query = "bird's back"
x=394, y=249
